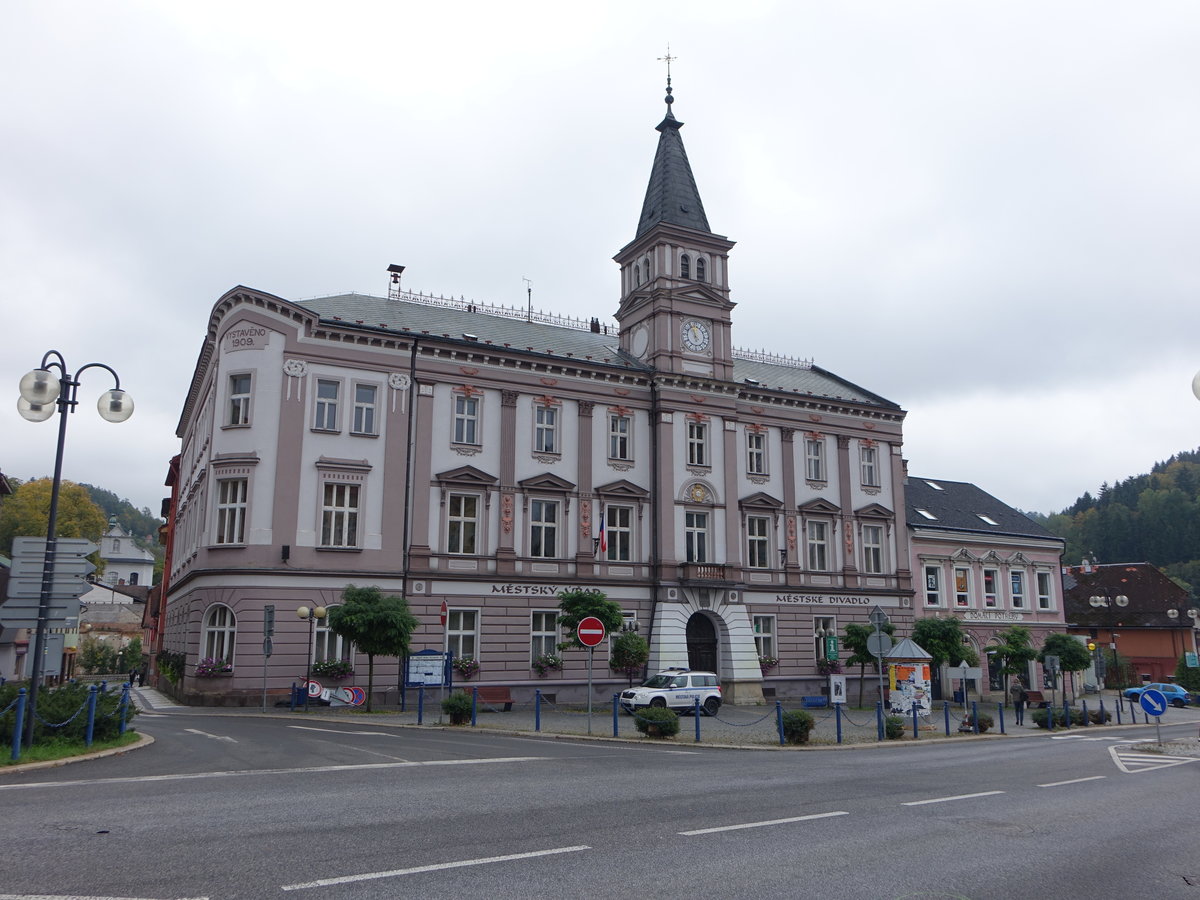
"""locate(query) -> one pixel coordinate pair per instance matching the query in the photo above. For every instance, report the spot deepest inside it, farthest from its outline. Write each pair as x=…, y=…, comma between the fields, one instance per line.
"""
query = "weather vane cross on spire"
x=668, y=59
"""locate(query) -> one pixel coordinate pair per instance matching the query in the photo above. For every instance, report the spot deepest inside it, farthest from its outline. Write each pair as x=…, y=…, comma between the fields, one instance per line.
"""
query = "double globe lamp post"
x=48, y=389
x=312, y=615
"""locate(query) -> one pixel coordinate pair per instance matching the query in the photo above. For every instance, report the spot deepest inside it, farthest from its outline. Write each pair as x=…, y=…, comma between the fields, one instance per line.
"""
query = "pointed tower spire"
x=671, y=196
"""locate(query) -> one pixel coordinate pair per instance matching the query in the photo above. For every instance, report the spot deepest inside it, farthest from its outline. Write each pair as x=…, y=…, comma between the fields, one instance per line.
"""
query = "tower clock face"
x=695, y=335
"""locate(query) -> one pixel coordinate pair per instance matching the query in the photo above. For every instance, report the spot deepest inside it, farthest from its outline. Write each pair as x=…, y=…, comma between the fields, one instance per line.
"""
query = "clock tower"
x=675, y=307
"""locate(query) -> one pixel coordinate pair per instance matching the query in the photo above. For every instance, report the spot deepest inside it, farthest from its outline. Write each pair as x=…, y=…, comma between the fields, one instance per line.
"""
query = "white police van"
x=678, y=689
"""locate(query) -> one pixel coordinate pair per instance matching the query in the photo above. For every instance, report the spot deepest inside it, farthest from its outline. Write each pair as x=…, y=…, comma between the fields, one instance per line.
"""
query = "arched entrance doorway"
x=701, y=643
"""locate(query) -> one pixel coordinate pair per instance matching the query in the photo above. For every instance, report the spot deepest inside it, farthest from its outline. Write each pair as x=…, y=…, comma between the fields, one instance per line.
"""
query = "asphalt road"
x=246, y=807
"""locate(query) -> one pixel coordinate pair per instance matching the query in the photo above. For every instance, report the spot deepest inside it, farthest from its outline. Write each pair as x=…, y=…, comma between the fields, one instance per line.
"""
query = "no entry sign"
x=590, y=631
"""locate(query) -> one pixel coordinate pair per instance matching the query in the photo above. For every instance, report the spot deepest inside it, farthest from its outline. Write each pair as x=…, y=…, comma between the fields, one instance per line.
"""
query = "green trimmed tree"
x=629, y=654
x=577, y=605
x=1073, y=655
x=378, y=624
x=1012, y=652
x=1186, y=678
x=943, y=639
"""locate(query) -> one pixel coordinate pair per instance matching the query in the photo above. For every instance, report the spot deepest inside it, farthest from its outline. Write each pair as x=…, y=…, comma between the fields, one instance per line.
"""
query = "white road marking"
x=827, y=815
x=1135, y=763
x=75, y=897
x=1074, y=781
x=338, y=731
x=299, y=770
x=948, y=799
x=436, y=867
x=215, y=737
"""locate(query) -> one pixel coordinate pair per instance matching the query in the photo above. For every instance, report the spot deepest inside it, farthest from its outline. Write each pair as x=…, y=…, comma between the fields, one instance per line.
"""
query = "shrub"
x=458, y=707
x=985, y=722
x=796, y=725
x=893, y=727
x=57, y=705
x=1060, y=721
x=1094, y=717
x=657, y=722
x=170, y=665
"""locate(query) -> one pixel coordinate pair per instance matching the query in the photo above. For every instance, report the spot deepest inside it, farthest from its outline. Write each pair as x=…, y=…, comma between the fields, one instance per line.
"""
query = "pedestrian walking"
x=1019, y=697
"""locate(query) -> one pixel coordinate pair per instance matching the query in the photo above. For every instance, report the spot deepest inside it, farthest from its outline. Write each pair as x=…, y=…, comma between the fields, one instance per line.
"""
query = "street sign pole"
x=268, y=633
x=590, y=631
x=591, y=655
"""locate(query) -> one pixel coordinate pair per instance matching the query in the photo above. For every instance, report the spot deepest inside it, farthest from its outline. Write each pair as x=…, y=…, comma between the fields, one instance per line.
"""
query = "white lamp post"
x=42, y=393
x=303, y=612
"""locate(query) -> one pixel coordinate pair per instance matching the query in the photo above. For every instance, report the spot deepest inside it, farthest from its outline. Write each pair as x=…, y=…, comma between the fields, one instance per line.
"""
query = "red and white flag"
x=603, y=546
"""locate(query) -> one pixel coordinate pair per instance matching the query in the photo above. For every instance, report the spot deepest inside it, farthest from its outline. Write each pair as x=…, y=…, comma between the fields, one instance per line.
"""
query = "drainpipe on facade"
x=654, y=499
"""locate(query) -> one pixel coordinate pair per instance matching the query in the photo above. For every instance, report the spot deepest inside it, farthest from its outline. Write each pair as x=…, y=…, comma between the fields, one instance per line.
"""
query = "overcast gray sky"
x=984, y=212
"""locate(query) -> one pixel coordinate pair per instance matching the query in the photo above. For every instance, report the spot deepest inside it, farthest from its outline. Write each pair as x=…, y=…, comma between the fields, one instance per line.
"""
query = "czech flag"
x=603, y=536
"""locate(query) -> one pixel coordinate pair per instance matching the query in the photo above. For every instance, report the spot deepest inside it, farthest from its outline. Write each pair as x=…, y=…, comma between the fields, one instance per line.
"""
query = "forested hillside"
x=1152, y=518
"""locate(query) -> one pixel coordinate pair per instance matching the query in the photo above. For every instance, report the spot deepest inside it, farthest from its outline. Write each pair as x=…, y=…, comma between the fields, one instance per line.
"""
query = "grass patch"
x=49, y=751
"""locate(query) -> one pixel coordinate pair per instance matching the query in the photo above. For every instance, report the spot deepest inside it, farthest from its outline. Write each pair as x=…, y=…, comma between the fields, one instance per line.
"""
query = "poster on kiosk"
x=909, y=679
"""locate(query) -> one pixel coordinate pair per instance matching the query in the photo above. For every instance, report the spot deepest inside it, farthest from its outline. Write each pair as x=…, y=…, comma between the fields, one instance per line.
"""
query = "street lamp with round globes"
x=303, y=612
x=48, y=389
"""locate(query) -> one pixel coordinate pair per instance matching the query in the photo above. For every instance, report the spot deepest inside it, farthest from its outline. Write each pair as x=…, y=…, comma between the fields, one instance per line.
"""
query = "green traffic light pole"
x=41, y=395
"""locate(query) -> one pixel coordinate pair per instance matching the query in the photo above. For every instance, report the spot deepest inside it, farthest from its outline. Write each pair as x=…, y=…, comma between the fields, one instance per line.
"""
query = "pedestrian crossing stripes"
x=1133, y=762
x=149, y=698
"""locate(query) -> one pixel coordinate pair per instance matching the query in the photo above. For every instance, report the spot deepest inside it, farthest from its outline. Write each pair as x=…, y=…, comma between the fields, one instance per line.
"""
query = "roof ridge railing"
x=544, y=318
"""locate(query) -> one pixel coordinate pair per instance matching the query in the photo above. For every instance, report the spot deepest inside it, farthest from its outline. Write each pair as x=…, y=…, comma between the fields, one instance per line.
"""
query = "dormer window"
x=701, y=271
x=685, y=266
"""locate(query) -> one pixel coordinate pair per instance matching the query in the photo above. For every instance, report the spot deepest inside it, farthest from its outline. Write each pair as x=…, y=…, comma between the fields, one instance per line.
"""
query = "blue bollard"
x=1066, y=713
x=696, y=716
x=975, y=716
x=537, y=710
x=124, y=706
x=293, y=701
x=474, y=704
x=837, y=714
x=91, y=718
x=946, y=710
x=19, y=729
x=916, y=734
x=779, y=720
x=421, y=704
x=1083, y=706
x=616, y=708
x=1000, y=713
x=879, y=719
x=103, y=687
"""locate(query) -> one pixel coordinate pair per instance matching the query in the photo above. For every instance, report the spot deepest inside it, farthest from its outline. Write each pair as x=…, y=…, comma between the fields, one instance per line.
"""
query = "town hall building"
x=740, y=507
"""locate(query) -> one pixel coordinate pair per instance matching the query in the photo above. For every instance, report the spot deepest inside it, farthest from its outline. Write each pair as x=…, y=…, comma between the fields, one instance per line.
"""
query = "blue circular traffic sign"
x=1153, y=701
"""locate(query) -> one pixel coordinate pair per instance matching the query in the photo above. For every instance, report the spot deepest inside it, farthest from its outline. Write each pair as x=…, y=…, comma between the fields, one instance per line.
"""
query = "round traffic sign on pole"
x=444, y=612
x=590, y=631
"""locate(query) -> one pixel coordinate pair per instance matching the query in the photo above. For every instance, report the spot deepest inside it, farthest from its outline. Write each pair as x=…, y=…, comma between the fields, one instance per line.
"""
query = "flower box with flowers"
x=466, y=666
x=336, y=669
x=546, y=662
x=213, y=668
x=766, y=663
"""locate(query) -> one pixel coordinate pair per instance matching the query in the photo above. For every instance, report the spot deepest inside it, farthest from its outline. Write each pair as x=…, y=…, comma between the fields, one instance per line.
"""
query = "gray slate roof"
x=452, y=322
x=958, y=506
x=672, y=196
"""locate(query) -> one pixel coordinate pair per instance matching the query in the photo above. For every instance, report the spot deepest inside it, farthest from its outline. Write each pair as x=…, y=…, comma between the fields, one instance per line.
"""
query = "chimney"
x=595, y=324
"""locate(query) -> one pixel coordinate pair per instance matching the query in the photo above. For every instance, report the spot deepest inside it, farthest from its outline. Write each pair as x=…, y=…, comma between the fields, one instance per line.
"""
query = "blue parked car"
x=1175, y=695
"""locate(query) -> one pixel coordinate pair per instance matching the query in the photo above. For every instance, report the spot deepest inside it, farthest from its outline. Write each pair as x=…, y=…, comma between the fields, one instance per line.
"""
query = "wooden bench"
x=814, y=702
x=1035, y=698
x=492, y=695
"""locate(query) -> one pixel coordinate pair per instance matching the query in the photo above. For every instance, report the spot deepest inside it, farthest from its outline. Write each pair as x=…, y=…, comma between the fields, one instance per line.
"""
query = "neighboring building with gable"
x=737, y=505
x=1135, y=609
x=984, y=562
x=124, y=561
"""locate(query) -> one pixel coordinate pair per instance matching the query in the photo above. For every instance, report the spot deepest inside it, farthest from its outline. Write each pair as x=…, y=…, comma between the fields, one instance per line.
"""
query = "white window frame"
x=618, y=534
x=697, y=443
x=991, y=597
x=239, y=400
x=462, y=632
x=758, y=542
x=962, y=587
x=232, y=502
x=340, y=511
x=695, y=531
x=462, y=526
x=545, y=529
x=933, y=585
x=817, y=545
x=366, y=412
x=544, y=633
x=325, y=408
x=546, y=429
x=756, y=452
x=814, y=459
x=868, y=459
x=1045, y=591
x=873, y=550
x=465, y=419
x=764, y=635
x=220, y=633
x=620, y=436
x=328, y=645
x=1016, y=587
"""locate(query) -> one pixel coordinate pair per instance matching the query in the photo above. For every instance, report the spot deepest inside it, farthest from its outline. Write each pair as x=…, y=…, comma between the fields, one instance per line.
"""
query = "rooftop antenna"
x=529, y=294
